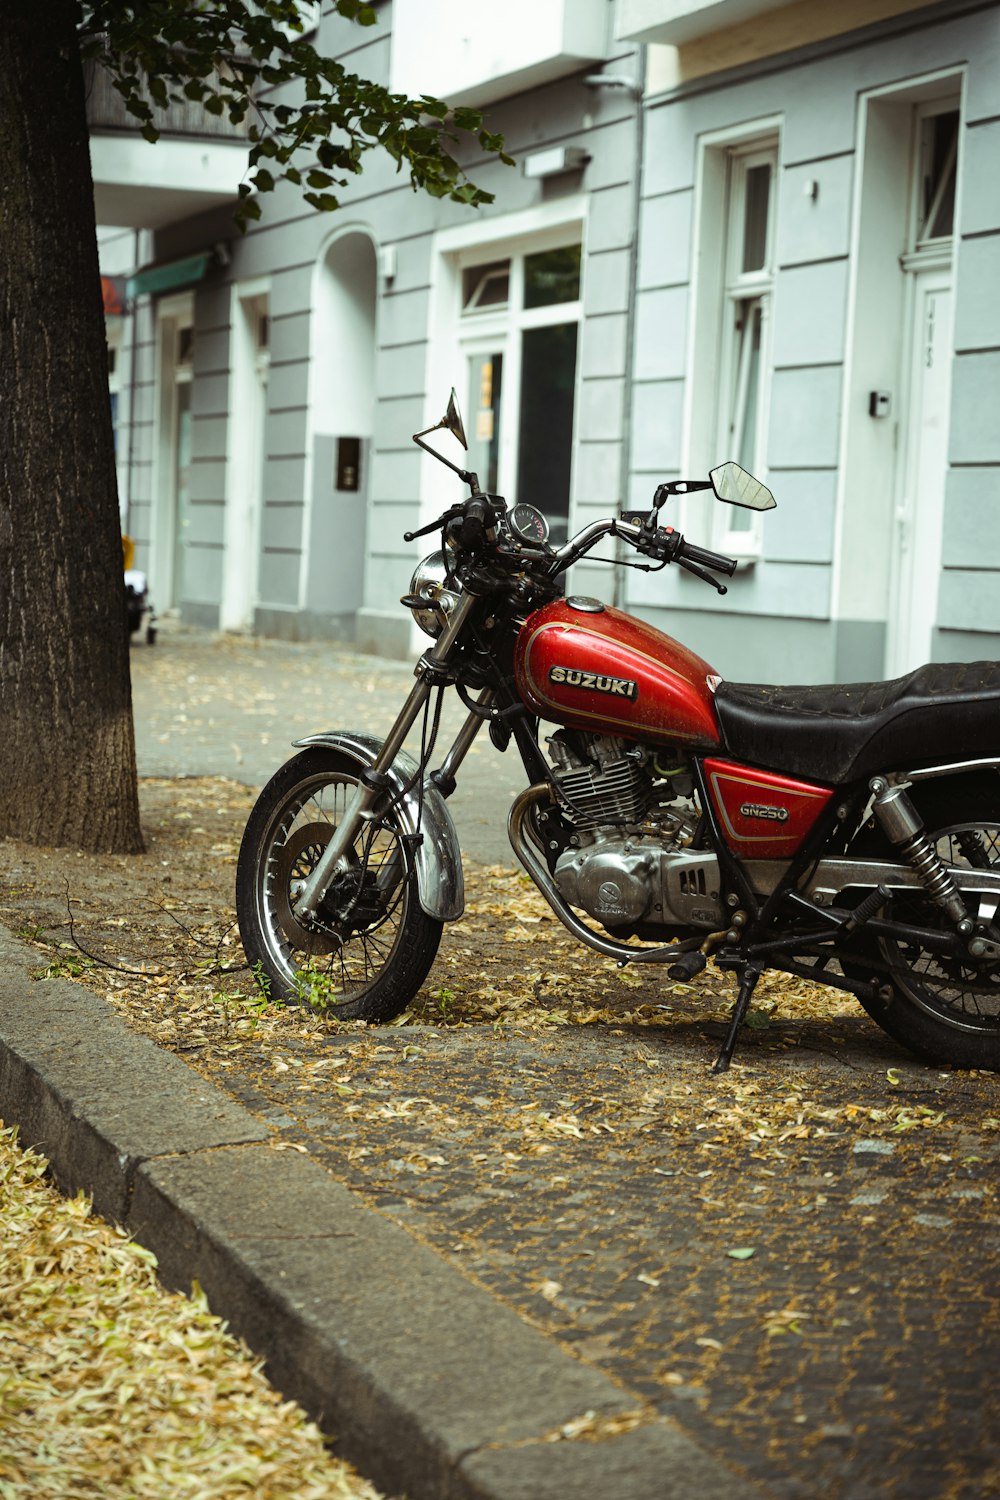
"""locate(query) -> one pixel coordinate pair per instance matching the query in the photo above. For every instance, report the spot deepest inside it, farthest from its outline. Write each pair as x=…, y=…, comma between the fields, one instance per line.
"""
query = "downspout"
x=636, y=87
x=618, y=586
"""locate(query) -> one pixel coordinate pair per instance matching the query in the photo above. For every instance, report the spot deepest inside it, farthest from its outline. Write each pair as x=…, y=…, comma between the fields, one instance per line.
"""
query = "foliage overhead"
x=235, y=57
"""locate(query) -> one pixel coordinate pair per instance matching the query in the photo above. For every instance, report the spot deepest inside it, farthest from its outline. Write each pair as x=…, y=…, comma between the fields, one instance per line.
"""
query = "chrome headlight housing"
x=428, y=586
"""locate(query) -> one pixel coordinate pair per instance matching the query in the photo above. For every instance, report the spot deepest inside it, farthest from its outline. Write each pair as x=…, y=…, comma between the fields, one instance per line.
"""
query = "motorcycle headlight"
x=428, y=598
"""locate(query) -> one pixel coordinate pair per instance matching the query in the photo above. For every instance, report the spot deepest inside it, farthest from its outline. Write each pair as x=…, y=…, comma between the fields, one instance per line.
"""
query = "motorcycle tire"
x=944, y=1010
x=372, y=945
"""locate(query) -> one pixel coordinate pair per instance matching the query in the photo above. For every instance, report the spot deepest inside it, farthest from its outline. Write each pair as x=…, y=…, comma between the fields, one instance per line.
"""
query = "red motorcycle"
x=847, y=834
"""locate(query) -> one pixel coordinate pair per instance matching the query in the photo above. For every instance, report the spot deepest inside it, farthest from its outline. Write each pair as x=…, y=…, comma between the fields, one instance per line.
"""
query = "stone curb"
x=432, y=1388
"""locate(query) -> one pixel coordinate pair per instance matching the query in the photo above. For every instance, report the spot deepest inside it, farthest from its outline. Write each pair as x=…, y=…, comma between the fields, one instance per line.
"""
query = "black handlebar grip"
x=707, y=559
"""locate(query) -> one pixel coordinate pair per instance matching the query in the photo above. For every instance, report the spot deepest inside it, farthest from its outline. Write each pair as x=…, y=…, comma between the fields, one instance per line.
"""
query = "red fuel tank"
x=581, y=663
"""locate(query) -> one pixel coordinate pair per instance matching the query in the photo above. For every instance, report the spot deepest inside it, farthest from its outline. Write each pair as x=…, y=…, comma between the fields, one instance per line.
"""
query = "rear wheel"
x=944, y=1006
x=371, y=945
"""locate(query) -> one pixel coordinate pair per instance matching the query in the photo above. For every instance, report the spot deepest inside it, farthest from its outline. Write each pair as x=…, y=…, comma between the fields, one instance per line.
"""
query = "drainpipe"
x=636, y=87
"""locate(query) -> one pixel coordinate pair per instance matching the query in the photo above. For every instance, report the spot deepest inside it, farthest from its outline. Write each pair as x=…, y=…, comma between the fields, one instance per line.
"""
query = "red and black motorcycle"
x=847, y=834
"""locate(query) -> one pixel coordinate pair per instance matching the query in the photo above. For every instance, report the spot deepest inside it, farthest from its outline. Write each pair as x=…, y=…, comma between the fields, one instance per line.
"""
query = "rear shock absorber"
x=903, y=826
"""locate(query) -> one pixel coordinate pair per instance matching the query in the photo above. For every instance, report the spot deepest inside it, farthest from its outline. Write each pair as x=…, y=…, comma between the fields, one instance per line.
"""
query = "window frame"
x=922, y=250
x=747, y=290
x=718, y=284
x=499, y=328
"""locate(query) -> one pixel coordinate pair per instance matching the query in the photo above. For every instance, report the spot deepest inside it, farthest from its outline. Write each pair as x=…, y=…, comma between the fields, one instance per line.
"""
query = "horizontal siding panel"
x=661, y=334
x=665, y=240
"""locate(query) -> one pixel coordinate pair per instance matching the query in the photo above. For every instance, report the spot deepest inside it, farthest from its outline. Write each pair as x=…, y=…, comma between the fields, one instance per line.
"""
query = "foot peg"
x=868, y=908
x=687, y=965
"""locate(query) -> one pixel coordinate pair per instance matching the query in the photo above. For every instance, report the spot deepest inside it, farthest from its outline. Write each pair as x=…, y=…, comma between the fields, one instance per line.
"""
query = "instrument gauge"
x=528, y=525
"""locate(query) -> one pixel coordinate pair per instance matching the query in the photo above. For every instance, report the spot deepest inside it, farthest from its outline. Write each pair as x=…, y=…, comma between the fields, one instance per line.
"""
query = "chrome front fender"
x=438, y=859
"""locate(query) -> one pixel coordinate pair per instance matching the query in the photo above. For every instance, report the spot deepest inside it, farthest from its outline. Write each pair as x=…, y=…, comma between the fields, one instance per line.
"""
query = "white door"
x=924, y=454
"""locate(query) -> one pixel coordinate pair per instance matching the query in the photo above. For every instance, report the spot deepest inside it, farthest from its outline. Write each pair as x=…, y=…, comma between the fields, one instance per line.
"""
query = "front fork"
x=372, y=781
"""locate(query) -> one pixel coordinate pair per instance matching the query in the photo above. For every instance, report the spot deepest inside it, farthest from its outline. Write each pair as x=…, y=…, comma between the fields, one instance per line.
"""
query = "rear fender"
x=438, y=859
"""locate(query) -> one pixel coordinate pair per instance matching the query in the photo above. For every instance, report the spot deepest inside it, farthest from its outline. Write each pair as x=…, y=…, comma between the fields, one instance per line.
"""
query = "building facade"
x=736, y=230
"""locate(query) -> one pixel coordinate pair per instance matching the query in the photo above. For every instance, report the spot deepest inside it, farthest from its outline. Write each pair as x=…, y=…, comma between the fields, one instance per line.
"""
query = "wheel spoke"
x=351, y=956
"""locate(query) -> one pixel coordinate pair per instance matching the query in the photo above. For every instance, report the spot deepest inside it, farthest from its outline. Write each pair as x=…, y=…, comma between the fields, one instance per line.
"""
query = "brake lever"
x=702, y=573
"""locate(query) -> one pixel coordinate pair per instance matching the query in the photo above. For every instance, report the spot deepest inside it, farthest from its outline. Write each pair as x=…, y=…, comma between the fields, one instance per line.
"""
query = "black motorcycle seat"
x=948, y=711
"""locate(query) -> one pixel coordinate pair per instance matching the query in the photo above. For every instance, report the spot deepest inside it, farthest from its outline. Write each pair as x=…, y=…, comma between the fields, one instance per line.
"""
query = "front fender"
x=438, y=859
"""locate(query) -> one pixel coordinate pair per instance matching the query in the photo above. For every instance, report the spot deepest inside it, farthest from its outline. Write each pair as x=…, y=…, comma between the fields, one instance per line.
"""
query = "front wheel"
x=370, y=945
x=943, y=1006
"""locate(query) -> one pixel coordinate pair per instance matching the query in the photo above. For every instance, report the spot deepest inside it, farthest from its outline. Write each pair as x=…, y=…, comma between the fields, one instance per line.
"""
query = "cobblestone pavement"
x=799, y=1261
x=820, y=1311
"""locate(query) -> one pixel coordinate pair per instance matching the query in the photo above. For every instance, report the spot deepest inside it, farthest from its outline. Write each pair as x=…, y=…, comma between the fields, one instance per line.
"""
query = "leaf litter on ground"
x=508, y=977
x=113, y=1388
x=156, y=936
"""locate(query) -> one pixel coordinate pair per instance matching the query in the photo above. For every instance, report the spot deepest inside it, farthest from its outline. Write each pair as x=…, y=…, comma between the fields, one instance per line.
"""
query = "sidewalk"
x=207, y=705
x=531, y=1263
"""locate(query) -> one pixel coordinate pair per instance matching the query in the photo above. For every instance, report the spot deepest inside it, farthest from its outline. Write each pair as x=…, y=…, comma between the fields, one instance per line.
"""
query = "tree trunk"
x=67, y=765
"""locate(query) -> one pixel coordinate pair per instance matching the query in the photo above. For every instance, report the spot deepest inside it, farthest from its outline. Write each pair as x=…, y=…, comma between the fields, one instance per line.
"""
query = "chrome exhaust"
x=524, y=845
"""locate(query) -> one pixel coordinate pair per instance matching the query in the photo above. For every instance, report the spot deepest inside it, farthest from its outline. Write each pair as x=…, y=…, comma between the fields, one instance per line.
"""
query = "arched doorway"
x=342, y=415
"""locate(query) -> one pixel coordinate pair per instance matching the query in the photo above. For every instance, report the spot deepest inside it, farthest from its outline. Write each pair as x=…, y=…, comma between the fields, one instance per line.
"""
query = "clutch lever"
x=449, y=515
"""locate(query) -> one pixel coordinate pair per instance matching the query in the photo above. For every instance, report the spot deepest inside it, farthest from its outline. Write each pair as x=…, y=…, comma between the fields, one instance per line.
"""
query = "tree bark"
x=67, y=773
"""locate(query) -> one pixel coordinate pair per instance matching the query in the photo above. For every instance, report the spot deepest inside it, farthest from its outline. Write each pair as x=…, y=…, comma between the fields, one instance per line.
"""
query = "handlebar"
x=664, y=544
x=472, y=524
x=706, y=559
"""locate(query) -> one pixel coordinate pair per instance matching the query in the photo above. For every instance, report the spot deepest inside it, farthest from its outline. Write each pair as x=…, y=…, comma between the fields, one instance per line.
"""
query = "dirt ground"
x=157, y=935
x=798, y=1260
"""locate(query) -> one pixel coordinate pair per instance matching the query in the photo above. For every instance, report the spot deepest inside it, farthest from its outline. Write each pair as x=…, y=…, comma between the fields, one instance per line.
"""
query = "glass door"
x=520, y=321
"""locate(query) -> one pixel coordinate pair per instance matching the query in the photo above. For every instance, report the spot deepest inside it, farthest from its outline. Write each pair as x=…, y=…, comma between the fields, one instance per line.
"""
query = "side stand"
x=748, y=983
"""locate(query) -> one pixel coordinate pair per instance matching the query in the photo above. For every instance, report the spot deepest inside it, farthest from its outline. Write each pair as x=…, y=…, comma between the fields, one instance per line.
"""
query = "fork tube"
x=444, y=777
x=368, y=788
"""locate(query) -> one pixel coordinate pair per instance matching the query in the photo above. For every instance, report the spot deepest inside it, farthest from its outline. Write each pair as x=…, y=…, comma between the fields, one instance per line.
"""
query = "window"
x=519, y=323
x=744, y=365
x=114, y=336
x=935, y=176
x=486, y=286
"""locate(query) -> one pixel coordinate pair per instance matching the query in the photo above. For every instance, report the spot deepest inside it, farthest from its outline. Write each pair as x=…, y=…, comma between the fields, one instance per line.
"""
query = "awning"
x=168, y=276
x=113, y=295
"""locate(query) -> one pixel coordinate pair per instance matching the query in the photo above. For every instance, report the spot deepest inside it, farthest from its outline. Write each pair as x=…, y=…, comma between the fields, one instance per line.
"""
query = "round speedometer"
x=528, y=525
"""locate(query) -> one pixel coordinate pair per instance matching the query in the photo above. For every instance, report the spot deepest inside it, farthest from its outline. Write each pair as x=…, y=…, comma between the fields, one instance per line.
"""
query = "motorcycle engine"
x=629, y=862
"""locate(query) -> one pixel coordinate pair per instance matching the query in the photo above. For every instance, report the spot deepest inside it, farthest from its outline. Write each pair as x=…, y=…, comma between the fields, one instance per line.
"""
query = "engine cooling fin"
x=594, y=796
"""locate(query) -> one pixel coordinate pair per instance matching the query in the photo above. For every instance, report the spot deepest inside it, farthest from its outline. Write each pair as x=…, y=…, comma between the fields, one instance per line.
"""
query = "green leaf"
x=325, y=202
x=742, y=1252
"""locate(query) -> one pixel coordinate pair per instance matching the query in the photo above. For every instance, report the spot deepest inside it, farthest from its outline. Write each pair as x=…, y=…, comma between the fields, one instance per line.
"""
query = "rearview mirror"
x=737, y=487
x=452, y=420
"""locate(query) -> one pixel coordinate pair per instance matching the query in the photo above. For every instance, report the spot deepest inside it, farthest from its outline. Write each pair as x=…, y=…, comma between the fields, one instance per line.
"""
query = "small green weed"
x=235, y=1008
x=66, y=968
x=444, y=1003
x=316, y=991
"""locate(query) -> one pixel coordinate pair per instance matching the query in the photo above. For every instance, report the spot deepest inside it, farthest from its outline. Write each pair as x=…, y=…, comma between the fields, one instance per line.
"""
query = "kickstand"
x=747, y=986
